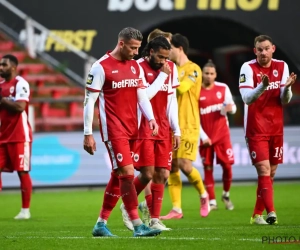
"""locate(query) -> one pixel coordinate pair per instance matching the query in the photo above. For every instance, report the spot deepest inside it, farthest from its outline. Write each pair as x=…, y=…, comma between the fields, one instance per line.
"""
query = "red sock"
x=139, y=186
x=111, y=196
x=266, y=192
x=209, y=183
x=149, y=202
x=26, y=189
x=259, y=205
x=129, y=196
x=227, y=177
x=157, y=191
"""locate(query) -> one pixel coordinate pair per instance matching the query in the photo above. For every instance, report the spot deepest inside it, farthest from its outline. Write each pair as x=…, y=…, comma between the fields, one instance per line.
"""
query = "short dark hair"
x=12, y=59
x=179, y=40
x=262, y=38
x=209, y=64
x=130, y=33
x=159, y=42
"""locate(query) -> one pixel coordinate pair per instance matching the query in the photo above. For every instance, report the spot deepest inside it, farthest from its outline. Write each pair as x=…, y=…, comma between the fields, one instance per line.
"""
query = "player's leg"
x=207, y=156
x=20, y=157
x=110, y=198
x=195, y=179
x=225, y=158
x=276, y=157
x=163, y=158
x=259, y=152
x=174, y=187
x=4, y=160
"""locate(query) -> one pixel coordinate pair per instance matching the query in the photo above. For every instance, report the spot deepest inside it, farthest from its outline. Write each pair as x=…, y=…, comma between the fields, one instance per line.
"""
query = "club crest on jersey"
x=242, y=78
x=219, y=95
x=133, y=70
x=253, y=154
x=275, y=72
x=182, y=73
x=89, y=79
x=12, y=89
x=120, y=157
x=136, y=157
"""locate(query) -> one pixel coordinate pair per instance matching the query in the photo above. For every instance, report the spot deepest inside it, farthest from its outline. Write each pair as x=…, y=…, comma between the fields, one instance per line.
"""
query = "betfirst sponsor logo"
x=127, y=83
x=274, y=85
x=171, y=5
x=211, y=108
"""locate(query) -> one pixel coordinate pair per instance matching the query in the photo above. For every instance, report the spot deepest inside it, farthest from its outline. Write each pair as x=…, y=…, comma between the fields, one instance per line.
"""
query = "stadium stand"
x=57, y=101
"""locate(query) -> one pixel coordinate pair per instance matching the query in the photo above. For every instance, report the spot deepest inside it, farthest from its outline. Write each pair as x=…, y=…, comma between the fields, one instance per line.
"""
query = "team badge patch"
x=253, y=154
x=133, y=70
x=120, y=157
x=89, y=79
x=219, y=95
x=12, y=89
x=242, y=78
x=275, y=72
x=182, y=73
x=195, y=73
x=136, y=157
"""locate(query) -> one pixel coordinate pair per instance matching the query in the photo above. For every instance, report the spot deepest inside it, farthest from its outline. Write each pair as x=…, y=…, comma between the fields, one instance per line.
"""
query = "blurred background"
x=57, y=41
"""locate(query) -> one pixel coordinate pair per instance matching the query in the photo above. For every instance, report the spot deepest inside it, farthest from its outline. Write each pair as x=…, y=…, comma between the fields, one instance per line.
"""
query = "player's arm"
x=189, y=81
x=230, y=105
x=93, y=87
x=286, y=85
x=18, y=104
x=146, y=109
x=158, y=82
x=204, y=137
x=246, y=85
x=172, y=114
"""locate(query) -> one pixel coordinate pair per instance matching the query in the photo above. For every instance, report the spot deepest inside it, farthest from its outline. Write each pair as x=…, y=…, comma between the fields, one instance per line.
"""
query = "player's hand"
x=207, y=142
x=153, y=126
x=228, y=108
x=89, y=144
x=166, y=68
x=176, y=142
x=291, y=80
x=265, y=79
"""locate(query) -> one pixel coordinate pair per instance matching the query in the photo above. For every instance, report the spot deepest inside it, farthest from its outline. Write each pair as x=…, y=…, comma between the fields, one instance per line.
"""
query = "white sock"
x=102, y=220
x=25, y=210
x=137, y=222
x=204, y=195
x=226, y=194
x=154, y=220
x=213, y=202
x=178, y=210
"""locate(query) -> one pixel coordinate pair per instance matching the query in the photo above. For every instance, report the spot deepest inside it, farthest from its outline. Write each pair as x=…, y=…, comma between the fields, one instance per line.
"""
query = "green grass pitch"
x=64, y=220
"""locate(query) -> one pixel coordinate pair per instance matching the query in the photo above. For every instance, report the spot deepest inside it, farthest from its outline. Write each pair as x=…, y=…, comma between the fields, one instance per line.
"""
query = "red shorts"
x=157, y=153
x=15, y=156
x=120, y=152
x=223, y=150
x=263, y=148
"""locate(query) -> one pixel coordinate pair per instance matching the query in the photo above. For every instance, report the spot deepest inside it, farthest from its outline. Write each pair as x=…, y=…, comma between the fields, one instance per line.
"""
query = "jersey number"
x=278, y=152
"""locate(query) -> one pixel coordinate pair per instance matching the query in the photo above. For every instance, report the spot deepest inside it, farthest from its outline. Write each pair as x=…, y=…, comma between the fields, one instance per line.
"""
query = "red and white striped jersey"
x=15, y=127
x=159, y=102
x=264, y=117
x=117, y=81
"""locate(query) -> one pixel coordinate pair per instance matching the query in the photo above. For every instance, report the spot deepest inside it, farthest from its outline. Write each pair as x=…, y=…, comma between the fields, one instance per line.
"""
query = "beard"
x=5, y=74
x=153, y=64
